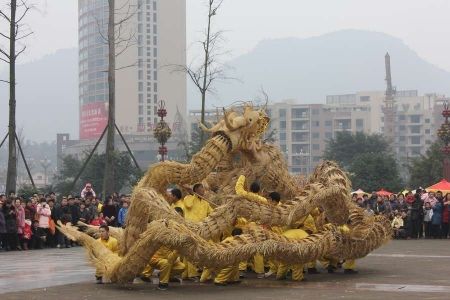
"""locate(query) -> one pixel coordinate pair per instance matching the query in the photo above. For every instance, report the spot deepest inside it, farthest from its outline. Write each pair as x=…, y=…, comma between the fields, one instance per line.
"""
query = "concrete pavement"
x=400, y=270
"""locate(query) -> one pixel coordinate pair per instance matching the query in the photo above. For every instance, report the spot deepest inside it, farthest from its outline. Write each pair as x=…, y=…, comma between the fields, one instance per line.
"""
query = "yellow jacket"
x=248, y=195
x=309, y=224
x=295, y=234
x=195, y=209
x=111, y=244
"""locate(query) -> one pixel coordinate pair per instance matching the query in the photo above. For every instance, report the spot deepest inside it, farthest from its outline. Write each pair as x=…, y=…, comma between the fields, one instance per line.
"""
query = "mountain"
x=47, y=96
x=336, y=63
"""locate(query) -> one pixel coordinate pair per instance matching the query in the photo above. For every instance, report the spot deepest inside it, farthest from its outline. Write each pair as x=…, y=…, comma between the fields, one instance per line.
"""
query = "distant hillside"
x=47, y=96
x=340, y=62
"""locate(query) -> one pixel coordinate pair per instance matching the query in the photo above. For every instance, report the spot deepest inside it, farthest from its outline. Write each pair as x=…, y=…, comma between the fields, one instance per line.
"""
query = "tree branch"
x=5, y=16
x=5, y=36
x=125, y=67
x=24, y=36
x=20, y=52
x=27, y=8
x=5, y=54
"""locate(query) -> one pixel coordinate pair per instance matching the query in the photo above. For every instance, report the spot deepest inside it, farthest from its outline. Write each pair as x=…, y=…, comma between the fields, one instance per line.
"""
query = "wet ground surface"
x=400, y=270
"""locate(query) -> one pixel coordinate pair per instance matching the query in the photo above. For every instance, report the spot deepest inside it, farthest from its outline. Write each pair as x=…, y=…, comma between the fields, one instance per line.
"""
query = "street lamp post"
x=162, y=131
x=444, y=134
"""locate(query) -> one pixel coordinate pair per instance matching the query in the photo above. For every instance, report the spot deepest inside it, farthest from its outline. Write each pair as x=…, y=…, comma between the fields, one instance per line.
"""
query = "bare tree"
x=17, y=32
x=210, y=69
x=118, y=42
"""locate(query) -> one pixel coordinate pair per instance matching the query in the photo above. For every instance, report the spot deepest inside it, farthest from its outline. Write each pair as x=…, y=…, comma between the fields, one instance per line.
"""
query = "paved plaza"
x=400, y=270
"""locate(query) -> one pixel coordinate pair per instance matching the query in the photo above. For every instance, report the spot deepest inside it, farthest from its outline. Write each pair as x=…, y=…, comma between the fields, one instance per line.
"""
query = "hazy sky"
x=424, y=25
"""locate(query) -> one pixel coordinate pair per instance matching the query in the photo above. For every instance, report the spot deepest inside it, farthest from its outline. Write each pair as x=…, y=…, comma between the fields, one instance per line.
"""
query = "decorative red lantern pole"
x=162, y=131
x=444, y=134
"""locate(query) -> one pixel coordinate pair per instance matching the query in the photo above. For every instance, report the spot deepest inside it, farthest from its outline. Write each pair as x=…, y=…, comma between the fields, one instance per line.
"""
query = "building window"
x=427, y=121
x=364, y=98
x=401, y=117
x=316, y=147
x=141, y=98
x=328, y=123
x=315, y=112
x=282, y=136
x=328, y=135
x=141, y=86
x=282, y=124
x=317, y=123
x=359, y=123
x=298, y=113
x=316, y=135
x=415, y=129
x=402, y=138
x=282, y=113
x=427, y=131
x=415, y=119
x=415, y=140
x=141, y=110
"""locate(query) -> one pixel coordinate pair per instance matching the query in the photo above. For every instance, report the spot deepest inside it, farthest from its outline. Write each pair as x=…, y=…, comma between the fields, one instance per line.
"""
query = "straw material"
x=235, y=149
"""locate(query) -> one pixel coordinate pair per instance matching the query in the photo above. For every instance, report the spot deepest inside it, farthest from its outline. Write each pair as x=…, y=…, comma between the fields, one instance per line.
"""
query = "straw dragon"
x=236, y=147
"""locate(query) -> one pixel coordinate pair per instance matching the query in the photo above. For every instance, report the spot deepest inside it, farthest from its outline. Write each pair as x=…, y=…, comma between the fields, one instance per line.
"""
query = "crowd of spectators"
x=31, y=223
x=413, y=215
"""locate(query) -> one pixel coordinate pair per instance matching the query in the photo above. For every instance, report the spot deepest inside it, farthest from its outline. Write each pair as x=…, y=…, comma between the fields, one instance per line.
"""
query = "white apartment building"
x=157, y=29
x=302, y=130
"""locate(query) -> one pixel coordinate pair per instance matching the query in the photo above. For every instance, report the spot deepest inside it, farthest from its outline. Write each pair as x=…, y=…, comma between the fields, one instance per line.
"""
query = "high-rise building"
x=153, y=38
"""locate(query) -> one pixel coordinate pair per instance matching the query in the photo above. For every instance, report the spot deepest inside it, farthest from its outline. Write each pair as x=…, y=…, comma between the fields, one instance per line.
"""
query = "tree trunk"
x=11, y=176
x=108, y=181
x=205, y=72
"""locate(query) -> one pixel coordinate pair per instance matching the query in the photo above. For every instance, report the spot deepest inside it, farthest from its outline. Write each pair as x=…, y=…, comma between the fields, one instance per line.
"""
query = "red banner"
x=93, y=120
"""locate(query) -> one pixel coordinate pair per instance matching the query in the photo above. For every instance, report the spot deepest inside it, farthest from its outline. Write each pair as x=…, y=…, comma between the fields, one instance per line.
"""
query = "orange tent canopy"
x=443, y=186
x=383, y=192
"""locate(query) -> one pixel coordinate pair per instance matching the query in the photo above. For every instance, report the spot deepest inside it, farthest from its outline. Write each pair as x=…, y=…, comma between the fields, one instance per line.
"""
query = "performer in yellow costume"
x=258, y=260
x=168, y=263
x=110, y=243
x=230, y=274
x=195, y=209
x=297, y=270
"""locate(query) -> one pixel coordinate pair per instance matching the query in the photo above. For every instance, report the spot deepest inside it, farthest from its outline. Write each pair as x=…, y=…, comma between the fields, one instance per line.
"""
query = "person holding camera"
x=44, y=213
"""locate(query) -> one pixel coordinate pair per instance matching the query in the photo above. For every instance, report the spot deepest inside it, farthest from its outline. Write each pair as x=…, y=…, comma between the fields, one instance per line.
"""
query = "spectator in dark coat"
x=109, y=211
x=379, y=208
x=74, y=211
x=415, y=216
x=436, y=220
x=12, y=239
x=445, y=216
x=2, y=227
x=62, y=213
x=30, y=211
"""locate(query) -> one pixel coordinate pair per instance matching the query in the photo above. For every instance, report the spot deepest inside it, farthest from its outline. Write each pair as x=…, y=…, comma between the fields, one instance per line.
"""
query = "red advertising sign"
x=93, y=120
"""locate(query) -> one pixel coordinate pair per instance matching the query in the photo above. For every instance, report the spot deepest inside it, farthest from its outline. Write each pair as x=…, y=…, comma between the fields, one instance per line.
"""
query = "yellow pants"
x=297, y=271
x=311, y=265
x=166, y=268
x=148, y=271
x=190, y=270
x=327, y=262
x=228, y=274
x=273, y=265
x=349, y=264
x=243, y=266
x=258, y=264
x=206, y=275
